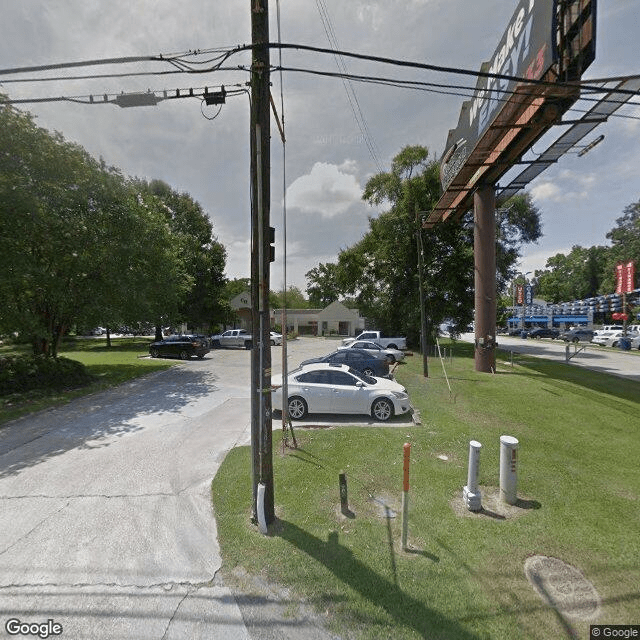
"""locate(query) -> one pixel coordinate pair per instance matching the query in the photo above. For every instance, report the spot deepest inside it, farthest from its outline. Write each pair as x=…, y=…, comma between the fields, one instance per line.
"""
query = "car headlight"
x=400, y=395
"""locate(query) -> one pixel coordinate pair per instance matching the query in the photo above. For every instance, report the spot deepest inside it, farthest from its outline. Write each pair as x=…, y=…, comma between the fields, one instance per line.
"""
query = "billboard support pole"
x=484, y=240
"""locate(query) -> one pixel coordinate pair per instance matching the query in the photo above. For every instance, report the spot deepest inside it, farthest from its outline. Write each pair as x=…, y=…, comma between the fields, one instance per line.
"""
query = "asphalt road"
x=106, y=525
x=590, y=356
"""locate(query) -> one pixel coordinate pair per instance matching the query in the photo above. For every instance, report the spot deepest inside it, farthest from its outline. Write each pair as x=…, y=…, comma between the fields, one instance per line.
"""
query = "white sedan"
x=323, y=387
x=392, y=355
x=601, y=337
x=276, y=338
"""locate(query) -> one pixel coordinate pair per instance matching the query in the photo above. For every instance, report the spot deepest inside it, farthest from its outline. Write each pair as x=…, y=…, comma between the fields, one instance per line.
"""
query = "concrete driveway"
x=106, y=526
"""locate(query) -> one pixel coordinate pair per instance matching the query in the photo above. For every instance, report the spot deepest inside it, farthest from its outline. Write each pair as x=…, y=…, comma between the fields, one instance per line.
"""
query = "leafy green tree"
x=77, y=243
x=203, y=256
x=380, y=271
x=625, y=245
x=575, y=276
x=294, y=299
x=322, y=285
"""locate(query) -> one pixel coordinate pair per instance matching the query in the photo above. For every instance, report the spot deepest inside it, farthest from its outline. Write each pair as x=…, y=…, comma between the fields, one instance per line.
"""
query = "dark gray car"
x=182, y=347
x=357, y=359
x=577, y=335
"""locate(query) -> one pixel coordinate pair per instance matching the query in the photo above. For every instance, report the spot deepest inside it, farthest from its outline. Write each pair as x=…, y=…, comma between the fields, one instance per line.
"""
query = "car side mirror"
x=360, y=384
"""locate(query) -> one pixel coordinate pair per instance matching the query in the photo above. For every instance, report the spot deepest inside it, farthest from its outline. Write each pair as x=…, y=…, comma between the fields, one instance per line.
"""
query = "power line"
x=187, y=62
x=346, y=83
x=133, y=99
x=451, y=89
x=182, y=62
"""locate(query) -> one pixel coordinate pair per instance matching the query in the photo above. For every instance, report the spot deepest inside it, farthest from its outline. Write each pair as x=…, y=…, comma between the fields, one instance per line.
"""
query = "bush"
x=25, y=373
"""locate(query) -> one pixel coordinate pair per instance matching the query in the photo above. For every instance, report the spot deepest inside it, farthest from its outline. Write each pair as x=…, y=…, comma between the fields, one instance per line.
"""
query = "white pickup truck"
x=232, y=338
x=378, y=338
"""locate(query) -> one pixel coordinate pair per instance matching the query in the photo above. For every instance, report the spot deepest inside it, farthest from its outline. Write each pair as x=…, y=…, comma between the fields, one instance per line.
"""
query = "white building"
x=335, y=319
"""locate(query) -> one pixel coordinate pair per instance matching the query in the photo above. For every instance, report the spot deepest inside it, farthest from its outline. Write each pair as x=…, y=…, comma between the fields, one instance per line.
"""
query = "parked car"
x=180, y=346
x=358, y=359
x=336, y=388
x=601, y=337
x=232, y=338
x=276, y=338
x=635, y=342
x=392, y=355
x=577, y=335
x=544, y=332
x=379, y=338
x=607, y=328
x=614, y=339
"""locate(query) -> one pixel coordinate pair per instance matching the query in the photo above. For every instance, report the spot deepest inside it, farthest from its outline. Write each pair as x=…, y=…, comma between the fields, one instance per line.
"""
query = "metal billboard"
x=521, y=92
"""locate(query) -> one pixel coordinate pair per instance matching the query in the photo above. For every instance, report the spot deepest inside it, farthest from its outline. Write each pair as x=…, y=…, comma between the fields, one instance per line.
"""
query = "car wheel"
x=200, y=356
x=184, y=355
x=248, y=344
x=576, y=340
x=216, y=344
x=297, y=408
x=368, y=371
x=390, y=359
x=155, y=353
x=392, y=346
x=382, y=409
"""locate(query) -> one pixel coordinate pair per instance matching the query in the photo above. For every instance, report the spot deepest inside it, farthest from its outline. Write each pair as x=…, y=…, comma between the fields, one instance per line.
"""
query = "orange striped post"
x=405, y=495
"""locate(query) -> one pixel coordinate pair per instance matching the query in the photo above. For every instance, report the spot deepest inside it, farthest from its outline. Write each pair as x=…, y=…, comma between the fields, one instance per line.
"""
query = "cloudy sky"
x=338, y=135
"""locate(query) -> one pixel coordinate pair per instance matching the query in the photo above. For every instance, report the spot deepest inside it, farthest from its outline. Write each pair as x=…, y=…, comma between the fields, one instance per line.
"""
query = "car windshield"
x=362, y=376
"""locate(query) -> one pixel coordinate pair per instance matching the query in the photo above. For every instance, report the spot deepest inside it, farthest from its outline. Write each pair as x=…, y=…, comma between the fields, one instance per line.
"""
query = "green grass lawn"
x=109, y=365
x=463, y=575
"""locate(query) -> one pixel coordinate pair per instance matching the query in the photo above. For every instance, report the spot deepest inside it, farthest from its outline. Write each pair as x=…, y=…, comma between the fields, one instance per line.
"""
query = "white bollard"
x=471, y=492
x=508, y=469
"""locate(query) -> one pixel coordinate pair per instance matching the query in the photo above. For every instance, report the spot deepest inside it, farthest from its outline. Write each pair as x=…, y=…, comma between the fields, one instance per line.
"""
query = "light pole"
x=423, y=318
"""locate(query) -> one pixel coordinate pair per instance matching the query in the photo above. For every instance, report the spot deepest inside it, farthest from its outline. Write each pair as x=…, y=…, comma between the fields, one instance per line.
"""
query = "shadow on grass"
x=564, y=377
x=371, y=586
x=568, y=378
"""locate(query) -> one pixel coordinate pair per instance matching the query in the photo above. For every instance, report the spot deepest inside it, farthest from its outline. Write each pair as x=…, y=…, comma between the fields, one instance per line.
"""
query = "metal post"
x=508, y=469
x=344, y=498
x=423, y=319
x=471, y=491
x=405, y=494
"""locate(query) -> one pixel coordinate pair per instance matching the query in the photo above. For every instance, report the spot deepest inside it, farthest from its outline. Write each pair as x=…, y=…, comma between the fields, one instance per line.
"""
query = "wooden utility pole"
x=261, y=447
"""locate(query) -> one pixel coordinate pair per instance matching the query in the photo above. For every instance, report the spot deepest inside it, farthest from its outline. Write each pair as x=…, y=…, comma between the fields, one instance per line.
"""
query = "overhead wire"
x=460, y=90
x=184, y=63
x=352, y=97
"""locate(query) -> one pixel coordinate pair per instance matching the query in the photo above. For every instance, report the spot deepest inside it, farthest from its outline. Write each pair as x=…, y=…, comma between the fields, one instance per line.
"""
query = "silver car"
x=323, y=387
x=392, y=355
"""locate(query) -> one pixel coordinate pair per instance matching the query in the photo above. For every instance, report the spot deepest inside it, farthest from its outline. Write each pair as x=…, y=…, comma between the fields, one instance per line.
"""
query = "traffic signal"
x=272, y=241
